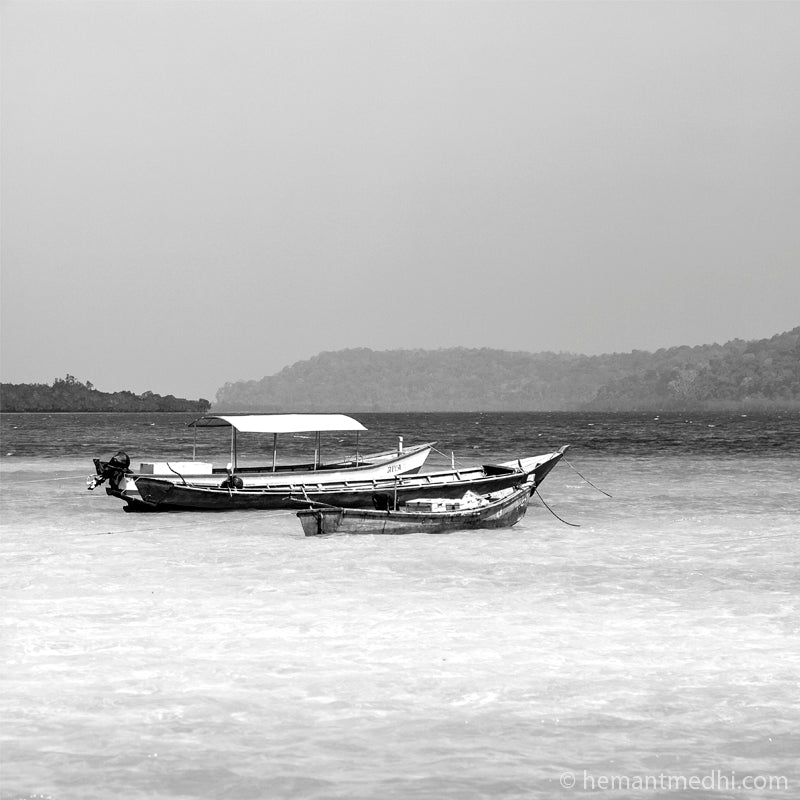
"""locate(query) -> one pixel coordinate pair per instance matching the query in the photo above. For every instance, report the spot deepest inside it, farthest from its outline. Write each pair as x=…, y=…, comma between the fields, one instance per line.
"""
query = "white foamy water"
x=228, y=656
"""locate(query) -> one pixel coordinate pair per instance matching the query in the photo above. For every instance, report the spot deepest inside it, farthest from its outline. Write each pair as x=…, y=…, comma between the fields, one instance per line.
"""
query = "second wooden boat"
x=436, y=515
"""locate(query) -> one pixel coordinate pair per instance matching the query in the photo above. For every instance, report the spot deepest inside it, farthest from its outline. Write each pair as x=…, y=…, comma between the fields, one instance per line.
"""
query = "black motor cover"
x=120, y=461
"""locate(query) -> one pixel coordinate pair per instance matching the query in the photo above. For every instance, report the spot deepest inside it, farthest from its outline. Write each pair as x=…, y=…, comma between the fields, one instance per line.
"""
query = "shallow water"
x=228, y=656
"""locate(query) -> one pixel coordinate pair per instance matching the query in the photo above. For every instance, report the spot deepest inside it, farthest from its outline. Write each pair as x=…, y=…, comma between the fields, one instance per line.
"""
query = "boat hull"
x=155, y=494
x=502, y=513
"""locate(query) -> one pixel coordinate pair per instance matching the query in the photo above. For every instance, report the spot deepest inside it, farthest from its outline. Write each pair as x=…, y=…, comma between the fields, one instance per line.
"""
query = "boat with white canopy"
x=388, y=463
x=282, y=423
x=284, y=491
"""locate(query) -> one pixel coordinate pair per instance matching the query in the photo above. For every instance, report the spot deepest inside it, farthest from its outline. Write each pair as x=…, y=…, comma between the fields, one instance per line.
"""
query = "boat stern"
x=320, y=521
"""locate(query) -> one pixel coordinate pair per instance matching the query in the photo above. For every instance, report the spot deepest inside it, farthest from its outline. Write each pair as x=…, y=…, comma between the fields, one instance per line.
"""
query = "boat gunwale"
x=388, y=483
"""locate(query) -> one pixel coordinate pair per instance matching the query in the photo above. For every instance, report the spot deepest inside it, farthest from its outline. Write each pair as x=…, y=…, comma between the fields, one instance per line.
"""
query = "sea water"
x=653, y=651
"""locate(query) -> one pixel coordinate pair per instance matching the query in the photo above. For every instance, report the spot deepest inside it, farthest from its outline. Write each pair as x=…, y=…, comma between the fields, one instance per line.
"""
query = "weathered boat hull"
x=502, y=513
x=154, y=494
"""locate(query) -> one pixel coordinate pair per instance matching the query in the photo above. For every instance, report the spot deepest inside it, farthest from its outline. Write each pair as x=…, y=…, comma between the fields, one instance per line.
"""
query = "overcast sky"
x=201, y=192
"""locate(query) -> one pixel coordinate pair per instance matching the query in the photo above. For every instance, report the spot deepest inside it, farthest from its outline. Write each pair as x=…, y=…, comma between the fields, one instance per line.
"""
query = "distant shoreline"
x=67, y=395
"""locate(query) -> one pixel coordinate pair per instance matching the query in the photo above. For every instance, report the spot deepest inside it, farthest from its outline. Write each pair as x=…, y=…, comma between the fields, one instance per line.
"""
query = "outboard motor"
x=120, y=460
x=113, y=470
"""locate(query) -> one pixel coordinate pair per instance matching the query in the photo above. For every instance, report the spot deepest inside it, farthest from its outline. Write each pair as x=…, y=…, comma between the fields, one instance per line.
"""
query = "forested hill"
x=68, y=394
x=739, y=374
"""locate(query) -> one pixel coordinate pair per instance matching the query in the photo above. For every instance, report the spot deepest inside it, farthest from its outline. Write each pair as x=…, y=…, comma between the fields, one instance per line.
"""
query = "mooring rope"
x=587, y=480
x=571, y=524
x=451, y=458
x=169, y=467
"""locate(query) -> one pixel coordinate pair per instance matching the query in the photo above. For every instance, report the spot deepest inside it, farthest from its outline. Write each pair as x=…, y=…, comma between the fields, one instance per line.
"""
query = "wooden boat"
x=155, y=494
x=499, y=510
x=123, y=481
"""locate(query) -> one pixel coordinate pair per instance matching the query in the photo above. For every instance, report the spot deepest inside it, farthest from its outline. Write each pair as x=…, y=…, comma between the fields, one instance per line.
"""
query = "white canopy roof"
x=281, y=423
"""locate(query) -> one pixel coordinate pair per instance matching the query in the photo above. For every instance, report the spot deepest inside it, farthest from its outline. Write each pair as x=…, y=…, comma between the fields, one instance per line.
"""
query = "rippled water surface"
x=227, y=656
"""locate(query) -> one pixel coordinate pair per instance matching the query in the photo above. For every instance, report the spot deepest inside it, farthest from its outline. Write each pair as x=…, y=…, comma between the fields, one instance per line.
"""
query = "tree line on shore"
x=69, y=394
x=739, y=374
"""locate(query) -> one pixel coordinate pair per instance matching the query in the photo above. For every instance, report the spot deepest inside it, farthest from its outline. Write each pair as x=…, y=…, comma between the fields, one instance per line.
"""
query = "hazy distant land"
x=68, y=394
x=761, y=374
x=740, y=374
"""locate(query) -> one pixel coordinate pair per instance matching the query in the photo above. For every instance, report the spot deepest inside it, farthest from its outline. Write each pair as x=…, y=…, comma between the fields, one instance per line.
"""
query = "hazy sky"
x=200, y=192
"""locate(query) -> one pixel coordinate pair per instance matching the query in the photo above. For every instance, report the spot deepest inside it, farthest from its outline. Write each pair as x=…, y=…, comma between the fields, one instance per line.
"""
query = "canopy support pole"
x=274, y=450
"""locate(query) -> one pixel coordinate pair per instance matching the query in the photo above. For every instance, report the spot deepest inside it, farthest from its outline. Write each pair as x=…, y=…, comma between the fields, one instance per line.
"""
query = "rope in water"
x=571, y=524
x=586, y=479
